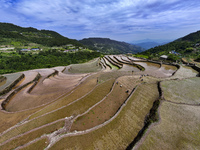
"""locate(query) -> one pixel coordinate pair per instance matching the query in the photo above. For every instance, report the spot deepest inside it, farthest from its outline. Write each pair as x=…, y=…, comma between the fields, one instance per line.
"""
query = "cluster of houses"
x=164, y=57
x=174, y=52
x=30, y=49
x=70, y=50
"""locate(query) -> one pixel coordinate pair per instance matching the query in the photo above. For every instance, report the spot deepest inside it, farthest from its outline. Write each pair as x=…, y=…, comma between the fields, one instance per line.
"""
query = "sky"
x=122, y=20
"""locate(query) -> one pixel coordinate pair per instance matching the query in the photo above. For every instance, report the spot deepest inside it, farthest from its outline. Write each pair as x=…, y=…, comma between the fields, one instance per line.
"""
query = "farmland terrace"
x=114, y=102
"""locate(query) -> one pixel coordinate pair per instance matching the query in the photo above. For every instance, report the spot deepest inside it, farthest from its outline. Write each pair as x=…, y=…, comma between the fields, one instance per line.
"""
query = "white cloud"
x=102, y=16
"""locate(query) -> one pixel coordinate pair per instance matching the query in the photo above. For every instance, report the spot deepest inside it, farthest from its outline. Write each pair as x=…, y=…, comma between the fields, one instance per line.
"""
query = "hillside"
x=109, y=46
x=114, y=102
x=192, y=37
x=11, y=34
x=187, y=46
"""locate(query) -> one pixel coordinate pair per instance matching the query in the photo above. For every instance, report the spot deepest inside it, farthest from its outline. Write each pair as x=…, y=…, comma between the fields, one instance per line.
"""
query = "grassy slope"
x=74, y=109
x=39, y=145
x=10, y=78
x=178, y=128
x=45, y=92
x=103, y=111
x=122, y=130
x=184, y=72
x=92, y=66
x=34, y=134
x=184, y=91
x=78, y=92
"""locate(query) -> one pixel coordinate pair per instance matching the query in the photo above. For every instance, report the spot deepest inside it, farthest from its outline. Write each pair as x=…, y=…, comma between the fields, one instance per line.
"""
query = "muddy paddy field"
x=115, y=102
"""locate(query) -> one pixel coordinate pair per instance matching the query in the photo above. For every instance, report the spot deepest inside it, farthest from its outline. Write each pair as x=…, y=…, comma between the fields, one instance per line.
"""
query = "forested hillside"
x=44, y=59
x=14, y=35
x=109, y=46
x=187, y=46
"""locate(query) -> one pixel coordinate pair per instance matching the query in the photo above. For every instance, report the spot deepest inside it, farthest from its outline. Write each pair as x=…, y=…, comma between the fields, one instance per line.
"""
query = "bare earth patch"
x=179, y=128
x=185, y=91
x=96, y=105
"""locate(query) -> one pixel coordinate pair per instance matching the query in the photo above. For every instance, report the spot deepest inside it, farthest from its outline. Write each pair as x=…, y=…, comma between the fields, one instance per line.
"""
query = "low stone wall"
x=9, y=87
x=150, y=118
x=106, y=63
x=2, y=78
x=113, y=63
x=53, y=74
x=131, y=63
x=6, y=101
x=197, y=69
x=193, y=66
x=35, y=83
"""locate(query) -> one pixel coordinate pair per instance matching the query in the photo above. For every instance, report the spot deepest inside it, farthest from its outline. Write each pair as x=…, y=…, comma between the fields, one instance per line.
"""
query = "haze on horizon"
x=124, y=20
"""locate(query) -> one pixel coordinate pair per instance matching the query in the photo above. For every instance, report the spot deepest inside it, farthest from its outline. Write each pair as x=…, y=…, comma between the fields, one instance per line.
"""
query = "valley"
x=110, y=102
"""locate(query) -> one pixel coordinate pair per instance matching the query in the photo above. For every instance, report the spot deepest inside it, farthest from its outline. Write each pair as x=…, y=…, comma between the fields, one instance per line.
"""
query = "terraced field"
x=107, y=103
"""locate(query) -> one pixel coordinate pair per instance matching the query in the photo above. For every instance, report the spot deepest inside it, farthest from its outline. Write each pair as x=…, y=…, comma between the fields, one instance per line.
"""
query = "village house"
x=174, y=52
x=163, y=57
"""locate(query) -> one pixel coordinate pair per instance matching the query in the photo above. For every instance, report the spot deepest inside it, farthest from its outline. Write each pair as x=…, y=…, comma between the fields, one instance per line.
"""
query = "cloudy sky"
x=124, y=20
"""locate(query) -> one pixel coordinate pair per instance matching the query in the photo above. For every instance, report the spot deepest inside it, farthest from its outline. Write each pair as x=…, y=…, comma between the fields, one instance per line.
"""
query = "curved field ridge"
x=99, y=139
x=92, y=66
x=11, y=81
x=114, y=102
x=49, y=87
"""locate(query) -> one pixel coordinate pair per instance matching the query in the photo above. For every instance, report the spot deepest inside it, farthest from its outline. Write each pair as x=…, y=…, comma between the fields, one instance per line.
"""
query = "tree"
x=172, y=57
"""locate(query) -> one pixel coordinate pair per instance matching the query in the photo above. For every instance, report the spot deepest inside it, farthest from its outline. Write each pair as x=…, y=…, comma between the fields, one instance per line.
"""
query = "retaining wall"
x=113, y=63
x=131, y=63
x=9, y=87
x=6, y=101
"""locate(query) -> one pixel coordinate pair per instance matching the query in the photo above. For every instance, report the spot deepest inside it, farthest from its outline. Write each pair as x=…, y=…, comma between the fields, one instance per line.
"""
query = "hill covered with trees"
x=106, y=45
x=44, y=59
x=11, y=34
x=187, y=46
x=53, y=49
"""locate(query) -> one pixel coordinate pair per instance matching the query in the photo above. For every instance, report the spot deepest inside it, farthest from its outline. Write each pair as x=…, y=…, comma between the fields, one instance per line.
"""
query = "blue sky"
x=123, y=20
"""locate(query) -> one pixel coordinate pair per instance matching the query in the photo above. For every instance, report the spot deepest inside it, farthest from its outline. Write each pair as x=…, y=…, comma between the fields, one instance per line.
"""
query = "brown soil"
x=120, y=131
x=103, y=118
x=103, y=111
x=43, y=93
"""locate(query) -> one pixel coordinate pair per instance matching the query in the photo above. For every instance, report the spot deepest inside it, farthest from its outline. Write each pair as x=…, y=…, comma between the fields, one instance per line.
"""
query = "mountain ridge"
x=187, y=46
x=10, y=32
x=106, y=45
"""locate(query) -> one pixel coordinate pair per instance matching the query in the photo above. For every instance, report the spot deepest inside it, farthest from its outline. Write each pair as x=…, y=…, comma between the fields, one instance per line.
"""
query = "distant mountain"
x=150, y=43
x=152, y=40
x=188, y=44
x=106, y=45
x=10, y=33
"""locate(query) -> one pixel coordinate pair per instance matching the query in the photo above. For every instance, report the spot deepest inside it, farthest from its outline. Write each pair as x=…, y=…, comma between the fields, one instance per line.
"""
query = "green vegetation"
x=44, y=59
x=14, y=35
x=109, y=46
x=187, y=46
x=141, y=56
x=113, y=107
